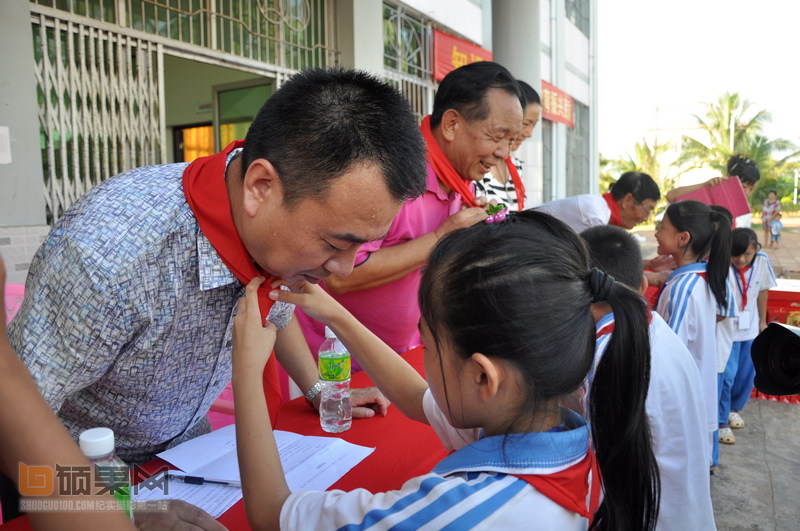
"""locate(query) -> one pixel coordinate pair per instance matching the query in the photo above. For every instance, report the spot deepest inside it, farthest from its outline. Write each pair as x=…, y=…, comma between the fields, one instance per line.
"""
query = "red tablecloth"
x=403, y=448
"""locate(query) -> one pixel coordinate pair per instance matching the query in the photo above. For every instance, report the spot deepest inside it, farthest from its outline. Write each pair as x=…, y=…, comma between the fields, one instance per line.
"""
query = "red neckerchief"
x=569, y=488
x=518, y=186
x=615, y=220
x=607, y=329
x=745, y=284
x=442, y=167
x=207, y=195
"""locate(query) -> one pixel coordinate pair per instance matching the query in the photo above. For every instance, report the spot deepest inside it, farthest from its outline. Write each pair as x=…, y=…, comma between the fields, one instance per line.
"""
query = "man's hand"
x=466, y=217
x=484, y=203
x=657, y=279
x=312, y=299
x=253, y=340
x=368, y=402
x=180, y=516
x=661, y=263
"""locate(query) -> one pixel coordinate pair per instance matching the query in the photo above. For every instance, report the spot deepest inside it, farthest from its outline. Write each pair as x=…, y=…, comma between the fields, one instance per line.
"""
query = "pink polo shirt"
x=391, y=311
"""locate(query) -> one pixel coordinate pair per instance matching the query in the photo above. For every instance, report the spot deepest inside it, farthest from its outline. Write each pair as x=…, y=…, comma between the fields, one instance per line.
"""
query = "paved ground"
x=757, y=484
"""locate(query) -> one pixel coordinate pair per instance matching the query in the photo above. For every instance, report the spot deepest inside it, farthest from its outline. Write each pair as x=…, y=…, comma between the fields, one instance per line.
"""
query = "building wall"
x=566, y=59
x=22, y=197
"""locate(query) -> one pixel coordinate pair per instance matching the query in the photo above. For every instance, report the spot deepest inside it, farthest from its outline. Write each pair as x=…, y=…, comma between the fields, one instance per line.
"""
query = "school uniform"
x=737, y=381
x=688, y=306
x=484, y=484
x=677, y=417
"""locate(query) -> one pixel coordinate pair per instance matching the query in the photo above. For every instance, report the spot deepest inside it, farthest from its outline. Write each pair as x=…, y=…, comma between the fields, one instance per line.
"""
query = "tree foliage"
x=733, y=127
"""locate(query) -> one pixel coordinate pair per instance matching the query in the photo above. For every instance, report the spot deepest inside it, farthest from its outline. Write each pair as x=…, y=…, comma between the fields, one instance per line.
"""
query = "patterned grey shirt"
x=127, y=316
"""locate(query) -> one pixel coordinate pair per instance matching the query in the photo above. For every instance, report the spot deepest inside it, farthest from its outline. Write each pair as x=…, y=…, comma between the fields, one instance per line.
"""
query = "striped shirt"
x=503, y=193
x=688, y=306
x=470, y=489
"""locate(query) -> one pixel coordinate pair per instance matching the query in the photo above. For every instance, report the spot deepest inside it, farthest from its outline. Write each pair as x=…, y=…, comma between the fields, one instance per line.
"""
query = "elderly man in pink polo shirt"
x=477, y=113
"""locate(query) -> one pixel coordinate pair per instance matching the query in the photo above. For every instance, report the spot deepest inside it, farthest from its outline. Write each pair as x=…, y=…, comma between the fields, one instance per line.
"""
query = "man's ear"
x=261, y=185
x=450, y=122
x=643, y=286
x=487, y=376
x=628, y=201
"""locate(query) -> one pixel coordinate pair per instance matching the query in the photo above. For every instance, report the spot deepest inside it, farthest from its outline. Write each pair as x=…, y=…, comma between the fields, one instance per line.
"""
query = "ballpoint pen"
x=197, y=480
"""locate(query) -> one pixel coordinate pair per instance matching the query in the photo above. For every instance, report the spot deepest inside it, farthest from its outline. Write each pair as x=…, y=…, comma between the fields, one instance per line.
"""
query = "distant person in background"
x=776, y=226
x=629, y=202
x=504, y=183
x=738, y=166
x=770, y=209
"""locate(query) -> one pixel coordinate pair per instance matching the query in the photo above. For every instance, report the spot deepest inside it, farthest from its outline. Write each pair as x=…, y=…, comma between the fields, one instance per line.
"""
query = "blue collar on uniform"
x=524, y=453
x=694, y=267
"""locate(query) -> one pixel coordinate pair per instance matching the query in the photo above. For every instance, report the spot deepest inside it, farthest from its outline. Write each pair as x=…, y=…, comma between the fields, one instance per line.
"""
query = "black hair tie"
x=600, y=285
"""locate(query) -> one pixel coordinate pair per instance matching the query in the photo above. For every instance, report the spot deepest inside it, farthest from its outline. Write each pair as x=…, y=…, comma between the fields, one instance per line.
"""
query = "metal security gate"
x=101, y=104
x=408, y=56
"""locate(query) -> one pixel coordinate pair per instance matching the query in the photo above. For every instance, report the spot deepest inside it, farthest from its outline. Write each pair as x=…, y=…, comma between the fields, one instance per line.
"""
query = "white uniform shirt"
x=689, y=308
x=469, y=489
x=677, y=417
x=724, y=330
x=757, y=278
x=580, y=211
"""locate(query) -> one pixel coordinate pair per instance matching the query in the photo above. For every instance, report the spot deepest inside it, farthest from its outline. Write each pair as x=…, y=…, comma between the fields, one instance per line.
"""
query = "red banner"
x=450, y=53
x=557, y=105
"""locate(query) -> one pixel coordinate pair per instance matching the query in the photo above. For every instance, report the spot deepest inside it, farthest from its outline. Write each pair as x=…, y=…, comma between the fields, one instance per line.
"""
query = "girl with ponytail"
x=699, y=239
x=508, y=330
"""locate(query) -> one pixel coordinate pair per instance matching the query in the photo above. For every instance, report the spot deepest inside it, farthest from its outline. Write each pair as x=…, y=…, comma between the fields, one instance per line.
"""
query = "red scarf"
x=518, y=186
x=614, y=206
x=207, y=195
x=569, y=488
x=442, y=167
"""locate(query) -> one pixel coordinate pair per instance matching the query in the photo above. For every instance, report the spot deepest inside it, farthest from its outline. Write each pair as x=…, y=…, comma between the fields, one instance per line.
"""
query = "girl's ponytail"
x=719, y=257
x=620, y=430
x=710, y=236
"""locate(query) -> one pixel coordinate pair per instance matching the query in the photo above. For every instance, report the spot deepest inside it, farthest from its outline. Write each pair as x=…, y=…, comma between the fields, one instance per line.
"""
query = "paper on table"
x=213, y=499
x=308, y=462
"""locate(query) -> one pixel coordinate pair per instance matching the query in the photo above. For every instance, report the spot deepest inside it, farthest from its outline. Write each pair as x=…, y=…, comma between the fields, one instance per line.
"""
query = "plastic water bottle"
x=335, y=411
x=97, y=444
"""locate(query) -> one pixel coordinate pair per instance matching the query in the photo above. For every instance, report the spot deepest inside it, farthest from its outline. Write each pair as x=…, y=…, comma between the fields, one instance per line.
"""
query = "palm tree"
x=645, y=159
x=732, y=129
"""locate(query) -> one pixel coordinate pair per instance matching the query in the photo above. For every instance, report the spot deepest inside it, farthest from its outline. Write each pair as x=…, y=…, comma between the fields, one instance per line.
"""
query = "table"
x=403, y=448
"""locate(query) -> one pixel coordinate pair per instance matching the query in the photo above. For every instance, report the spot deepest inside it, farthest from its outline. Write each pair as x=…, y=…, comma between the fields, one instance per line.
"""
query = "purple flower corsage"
x=497, y=213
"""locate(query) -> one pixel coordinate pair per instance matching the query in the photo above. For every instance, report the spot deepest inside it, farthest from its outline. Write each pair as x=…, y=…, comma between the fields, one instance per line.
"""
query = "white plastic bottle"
x=335, y=410
x=97, y=444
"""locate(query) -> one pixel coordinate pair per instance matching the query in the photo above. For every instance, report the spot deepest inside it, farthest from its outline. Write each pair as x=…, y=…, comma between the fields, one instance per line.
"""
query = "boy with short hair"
x=675, y=407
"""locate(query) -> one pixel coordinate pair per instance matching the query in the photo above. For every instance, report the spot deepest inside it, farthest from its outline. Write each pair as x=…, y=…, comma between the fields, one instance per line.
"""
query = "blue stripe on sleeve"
x=685, y=296
x=445, y=501
x=481, y=512
x=675, y=295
